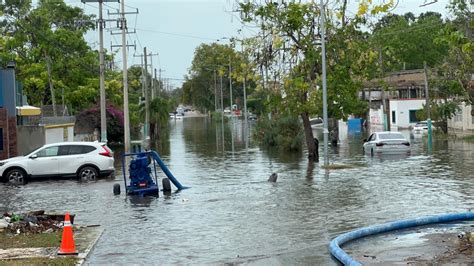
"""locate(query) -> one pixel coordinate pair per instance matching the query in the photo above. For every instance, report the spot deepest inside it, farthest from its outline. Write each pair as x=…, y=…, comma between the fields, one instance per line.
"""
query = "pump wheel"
x=116, y=189
x=166, y=184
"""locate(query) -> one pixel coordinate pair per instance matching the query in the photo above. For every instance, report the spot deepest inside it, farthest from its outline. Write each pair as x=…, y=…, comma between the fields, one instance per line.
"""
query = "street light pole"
x=325, y=106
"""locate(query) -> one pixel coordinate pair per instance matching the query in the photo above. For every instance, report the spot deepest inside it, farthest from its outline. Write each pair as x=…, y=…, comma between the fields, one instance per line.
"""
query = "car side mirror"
x=365, y=140
x=34, y=156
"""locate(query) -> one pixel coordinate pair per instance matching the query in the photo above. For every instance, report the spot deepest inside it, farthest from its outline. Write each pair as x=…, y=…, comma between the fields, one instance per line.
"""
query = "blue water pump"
x=141, y=176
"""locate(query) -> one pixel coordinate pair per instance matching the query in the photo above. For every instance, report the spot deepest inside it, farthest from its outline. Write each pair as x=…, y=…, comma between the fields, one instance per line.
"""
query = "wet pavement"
x=232, y=214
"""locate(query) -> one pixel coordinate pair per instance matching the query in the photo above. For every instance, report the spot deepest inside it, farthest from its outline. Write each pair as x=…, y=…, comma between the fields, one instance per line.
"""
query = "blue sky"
x=175, y=28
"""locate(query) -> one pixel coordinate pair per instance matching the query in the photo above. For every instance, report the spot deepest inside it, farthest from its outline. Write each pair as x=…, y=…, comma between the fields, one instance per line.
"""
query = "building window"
x=413, y=118
x=1, y=139
x=458, y=116
x=394, y=117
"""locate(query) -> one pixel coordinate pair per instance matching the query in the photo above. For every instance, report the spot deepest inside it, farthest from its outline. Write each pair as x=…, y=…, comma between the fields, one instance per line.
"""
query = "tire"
x=116, y=189
x=16, y=176
x=166, y=184
x=87, y=173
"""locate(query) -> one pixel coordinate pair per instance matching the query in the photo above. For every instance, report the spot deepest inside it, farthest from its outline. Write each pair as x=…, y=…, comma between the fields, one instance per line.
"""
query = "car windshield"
x=391, y=136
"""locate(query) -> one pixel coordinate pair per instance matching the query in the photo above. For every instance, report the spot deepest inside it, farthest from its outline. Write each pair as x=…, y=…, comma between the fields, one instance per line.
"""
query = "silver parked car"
x=87, y=160
x=386, y=142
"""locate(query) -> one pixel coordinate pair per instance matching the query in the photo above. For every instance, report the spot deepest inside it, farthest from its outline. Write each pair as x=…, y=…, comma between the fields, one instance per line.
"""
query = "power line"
x=178, y=34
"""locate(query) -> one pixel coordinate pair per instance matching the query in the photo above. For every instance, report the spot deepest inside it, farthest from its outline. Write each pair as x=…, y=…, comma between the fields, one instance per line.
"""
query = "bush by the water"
x=217, y=117
x=286, y=133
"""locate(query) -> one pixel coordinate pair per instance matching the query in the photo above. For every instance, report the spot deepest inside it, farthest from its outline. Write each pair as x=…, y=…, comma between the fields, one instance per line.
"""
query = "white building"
x=463, y=120
x=403, y=112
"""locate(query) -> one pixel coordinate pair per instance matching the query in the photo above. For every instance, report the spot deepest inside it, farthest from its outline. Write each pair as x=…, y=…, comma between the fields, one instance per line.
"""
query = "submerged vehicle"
x=386, y=142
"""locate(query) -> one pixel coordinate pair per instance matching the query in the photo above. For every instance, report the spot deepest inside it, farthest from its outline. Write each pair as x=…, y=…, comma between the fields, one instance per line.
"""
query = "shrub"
x=284, y=132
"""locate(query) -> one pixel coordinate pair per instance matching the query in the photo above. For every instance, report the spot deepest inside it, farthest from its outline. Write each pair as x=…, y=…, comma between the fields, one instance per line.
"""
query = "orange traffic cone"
x=67, y=242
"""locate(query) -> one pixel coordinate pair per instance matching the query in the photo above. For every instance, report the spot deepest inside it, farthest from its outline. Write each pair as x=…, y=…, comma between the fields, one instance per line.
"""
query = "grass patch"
x=341, y=166
x=30, y=241
x=40, y=261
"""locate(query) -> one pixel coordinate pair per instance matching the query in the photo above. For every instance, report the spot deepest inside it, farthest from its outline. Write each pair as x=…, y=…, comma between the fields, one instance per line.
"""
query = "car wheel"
x=16, y=176
x=87, y=173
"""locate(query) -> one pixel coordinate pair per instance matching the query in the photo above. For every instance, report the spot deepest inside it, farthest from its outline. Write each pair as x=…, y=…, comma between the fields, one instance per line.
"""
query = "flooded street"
x=231, y=214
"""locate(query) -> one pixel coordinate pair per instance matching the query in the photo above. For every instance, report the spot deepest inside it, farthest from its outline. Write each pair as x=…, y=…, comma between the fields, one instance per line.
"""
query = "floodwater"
x=231, y=214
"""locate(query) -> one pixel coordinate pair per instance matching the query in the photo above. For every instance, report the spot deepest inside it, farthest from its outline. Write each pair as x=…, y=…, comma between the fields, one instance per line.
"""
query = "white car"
x=386, y=142
x=86, y=160
x=421, y=128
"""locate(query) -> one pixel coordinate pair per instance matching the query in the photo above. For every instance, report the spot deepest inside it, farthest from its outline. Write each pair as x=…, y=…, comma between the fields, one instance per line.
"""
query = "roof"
x=28, y=110
x=405, y=78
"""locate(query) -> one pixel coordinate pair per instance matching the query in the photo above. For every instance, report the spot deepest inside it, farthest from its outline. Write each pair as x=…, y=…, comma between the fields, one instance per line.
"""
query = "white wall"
x=463, y=120
x=59, y=134
x=402, y=111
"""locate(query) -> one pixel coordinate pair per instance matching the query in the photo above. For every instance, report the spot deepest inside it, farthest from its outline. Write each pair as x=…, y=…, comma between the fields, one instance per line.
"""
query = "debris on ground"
x=31, y=222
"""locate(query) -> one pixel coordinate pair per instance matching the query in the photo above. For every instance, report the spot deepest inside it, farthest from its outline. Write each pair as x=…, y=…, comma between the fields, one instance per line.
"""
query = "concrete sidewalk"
x=85, y=238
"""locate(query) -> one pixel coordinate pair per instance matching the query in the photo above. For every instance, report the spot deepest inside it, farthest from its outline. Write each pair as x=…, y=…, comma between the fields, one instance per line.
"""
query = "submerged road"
x=233, y=215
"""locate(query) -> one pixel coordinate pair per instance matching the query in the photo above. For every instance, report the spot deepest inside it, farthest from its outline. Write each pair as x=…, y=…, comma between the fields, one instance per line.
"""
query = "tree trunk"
x=152, y=132
x=310, y=141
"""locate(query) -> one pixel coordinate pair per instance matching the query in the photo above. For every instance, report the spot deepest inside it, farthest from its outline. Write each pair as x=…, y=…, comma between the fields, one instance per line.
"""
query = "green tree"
x=458, y=64
x=53, y=59
x=211, y=62
x=406, y=41
x=289, y=58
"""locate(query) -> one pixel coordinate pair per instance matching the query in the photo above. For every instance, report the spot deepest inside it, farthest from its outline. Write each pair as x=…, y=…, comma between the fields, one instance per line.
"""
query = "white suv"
x=82, y=159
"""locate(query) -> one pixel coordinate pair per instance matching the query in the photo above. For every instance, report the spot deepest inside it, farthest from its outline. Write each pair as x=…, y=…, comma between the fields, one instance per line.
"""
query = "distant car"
x=87, y=160
x=316, y=122
x=386, y=142
x=421, y=128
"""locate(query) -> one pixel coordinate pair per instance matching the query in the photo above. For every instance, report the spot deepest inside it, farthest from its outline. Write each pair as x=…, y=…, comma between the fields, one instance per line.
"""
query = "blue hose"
x=336, y=251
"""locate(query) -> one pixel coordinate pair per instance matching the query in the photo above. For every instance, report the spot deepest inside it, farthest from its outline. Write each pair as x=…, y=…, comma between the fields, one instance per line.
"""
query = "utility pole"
x=152, y=84
x=154, y=89
x=222, y=115
x=103, y=117
x=428, y=111
x=122, y=25
x=385, y=111
x=325, y=105
x=215, y=91
x=147, y=104
x=126, y=122
x=101, y=25
x=230, y=86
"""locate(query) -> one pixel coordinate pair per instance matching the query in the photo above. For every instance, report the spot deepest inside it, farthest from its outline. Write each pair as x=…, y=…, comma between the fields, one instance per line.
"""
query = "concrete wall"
x=402, y=108
x=463, y=120
x=59, y=134
x=30, y=138
x=92, y=136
